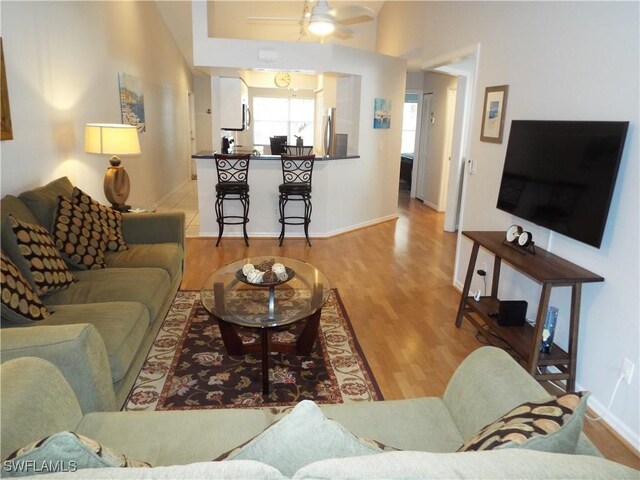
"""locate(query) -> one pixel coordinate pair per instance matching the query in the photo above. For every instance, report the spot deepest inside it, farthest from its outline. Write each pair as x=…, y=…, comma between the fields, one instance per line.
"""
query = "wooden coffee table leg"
x=230, y=338
x=266, y=347
x=307, y=337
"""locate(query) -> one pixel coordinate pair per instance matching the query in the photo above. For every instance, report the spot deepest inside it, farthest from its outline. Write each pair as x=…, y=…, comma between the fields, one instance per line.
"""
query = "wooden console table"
x=550, y=271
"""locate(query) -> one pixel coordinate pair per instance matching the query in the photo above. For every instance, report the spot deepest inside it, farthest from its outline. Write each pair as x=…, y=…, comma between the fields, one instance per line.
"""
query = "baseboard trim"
x=612, y=423
x=330, y=234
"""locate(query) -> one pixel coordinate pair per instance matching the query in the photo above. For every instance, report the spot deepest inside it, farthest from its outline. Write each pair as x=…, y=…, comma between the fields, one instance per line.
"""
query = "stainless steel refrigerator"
x=333, y=144
x=329, y=137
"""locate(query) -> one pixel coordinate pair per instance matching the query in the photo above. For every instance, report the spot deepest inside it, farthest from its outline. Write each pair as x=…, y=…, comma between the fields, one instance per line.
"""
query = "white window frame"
x=308, y=139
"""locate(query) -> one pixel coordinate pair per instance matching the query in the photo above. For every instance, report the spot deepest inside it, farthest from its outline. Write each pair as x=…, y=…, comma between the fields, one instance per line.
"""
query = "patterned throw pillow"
x=19, y=301
x=48, y=269
x=64, y=452
x=550, y=425
x=111, y=217
x=80, y=238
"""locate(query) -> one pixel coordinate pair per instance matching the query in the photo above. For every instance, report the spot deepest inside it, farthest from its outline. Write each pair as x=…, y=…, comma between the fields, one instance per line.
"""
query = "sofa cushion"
x=49, y=273
x=20, y=304
x=80, y=238
x=551, y=425
x=167, y=256
x=42, y=201
x=64, y=451
x=401, y=423
x=105, y=214
x=218, y=430
x=122, y=326
x=507, y=464
x=303, y=436
x=149, y=286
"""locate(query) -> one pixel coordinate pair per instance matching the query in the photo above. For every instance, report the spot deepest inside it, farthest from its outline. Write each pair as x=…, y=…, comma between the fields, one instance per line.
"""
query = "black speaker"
x=512, y=313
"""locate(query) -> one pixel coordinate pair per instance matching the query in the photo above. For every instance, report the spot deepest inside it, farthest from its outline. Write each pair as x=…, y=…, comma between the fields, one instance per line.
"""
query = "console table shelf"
x=550, y=271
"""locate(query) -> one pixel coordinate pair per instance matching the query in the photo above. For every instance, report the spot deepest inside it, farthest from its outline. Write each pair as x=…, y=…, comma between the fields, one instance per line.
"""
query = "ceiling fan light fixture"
x=321, y=24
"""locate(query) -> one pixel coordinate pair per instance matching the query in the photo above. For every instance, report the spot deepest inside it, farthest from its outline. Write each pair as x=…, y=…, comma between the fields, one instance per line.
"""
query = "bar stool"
x=233, y=171
x=299, y=149
x=296, y=174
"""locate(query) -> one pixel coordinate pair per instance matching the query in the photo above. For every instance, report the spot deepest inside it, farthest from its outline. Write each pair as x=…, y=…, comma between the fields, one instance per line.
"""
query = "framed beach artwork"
x=495, y=104
x=381, y=113
x=132, y=101
x=7, y=130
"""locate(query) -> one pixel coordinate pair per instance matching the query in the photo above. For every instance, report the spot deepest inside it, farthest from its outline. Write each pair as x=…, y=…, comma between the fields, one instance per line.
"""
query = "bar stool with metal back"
x=296, y=174
x=299, y=149
x=233, y=172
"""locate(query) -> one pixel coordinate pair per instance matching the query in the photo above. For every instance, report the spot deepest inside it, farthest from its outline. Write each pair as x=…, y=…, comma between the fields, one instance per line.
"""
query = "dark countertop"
x=210, y=153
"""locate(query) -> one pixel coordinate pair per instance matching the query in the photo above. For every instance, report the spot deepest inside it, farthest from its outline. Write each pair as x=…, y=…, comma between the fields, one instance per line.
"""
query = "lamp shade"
x=111, y=139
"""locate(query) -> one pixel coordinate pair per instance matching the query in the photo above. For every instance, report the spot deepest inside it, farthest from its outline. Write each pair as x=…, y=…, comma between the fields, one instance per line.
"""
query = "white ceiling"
x=228, y=19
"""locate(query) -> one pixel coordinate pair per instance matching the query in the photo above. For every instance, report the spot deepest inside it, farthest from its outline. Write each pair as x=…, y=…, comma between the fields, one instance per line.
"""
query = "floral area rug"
x=188, y=367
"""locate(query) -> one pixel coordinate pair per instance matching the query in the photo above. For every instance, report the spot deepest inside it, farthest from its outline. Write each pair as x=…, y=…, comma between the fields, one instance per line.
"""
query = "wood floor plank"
x=395, y=280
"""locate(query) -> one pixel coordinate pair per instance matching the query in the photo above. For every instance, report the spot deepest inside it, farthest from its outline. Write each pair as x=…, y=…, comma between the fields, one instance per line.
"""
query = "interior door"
x=421, y=164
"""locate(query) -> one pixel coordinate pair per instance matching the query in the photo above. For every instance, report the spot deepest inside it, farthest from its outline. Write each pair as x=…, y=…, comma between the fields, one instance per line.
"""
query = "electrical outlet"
x=627, y=370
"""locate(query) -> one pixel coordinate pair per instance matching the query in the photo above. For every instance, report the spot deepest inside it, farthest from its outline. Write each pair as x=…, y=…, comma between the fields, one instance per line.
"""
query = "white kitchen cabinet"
x=234, y=104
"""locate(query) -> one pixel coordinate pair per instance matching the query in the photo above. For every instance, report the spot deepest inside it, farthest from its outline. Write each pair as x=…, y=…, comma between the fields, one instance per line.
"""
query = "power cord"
x=606, y=410
x=483, y=274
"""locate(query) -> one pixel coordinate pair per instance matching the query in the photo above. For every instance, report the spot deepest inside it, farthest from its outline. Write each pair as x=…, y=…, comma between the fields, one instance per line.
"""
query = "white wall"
x=62, y=61
x=561, y=60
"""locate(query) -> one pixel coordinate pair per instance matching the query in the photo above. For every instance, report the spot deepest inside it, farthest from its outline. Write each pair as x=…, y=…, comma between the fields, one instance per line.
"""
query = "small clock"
x=513, y=233
x=525, y=239
x=282, y=79
x=519, y=237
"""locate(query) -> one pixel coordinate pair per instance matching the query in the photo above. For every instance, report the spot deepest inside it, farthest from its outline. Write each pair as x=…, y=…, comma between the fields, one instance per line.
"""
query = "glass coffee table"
x=233, y=301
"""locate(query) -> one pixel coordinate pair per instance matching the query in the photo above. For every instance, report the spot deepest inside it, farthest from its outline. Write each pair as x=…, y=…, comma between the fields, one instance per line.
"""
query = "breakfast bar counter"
x=209, y=154
x=339, y=202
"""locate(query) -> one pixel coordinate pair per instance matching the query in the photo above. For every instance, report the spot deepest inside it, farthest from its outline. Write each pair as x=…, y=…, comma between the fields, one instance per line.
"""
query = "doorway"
x=422, y=140
x=408, y=146
x=464, y=70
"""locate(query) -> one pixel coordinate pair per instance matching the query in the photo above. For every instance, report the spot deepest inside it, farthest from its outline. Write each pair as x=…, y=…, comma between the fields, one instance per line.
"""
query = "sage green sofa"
x=37, y=402
x=107, y=320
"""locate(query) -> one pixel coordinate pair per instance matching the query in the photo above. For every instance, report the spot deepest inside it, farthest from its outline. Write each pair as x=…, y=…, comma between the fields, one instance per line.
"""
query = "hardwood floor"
x=395, y=281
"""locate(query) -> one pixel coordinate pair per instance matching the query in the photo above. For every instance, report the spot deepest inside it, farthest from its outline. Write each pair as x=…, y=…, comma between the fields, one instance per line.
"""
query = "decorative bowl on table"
x=267, y=274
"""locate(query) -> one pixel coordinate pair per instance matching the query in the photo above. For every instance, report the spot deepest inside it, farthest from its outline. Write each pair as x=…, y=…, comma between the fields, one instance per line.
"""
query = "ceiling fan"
x=322, y=20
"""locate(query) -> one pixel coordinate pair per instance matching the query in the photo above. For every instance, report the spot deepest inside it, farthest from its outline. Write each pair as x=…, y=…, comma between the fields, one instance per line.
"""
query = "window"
x=409, y=122
x=274, y=116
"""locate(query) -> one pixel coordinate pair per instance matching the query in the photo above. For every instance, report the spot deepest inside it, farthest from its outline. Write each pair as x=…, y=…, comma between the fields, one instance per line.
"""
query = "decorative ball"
x=255, y=276
x=270, y=277
x=265, y=266
x=282, y=276
x=278, y=268
x=247, y=268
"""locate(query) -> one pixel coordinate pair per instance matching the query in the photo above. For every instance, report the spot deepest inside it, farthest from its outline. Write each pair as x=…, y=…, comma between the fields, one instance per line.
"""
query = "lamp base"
x=116, y=186
x=121, y=208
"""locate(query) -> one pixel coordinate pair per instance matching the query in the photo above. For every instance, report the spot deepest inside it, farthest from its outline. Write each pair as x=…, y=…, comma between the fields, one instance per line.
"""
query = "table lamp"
x=113, y=139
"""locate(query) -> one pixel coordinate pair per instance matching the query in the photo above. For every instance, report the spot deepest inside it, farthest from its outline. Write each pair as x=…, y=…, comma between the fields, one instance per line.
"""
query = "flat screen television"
x=561, y=175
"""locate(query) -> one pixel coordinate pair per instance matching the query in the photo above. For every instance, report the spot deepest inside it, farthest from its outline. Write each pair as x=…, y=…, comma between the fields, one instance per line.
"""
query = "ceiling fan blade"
x=353, y=14
x=342, y=32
